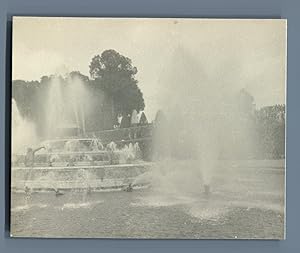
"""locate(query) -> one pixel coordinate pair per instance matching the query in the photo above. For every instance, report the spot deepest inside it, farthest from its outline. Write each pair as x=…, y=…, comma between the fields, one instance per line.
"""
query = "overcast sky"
x=240, y=53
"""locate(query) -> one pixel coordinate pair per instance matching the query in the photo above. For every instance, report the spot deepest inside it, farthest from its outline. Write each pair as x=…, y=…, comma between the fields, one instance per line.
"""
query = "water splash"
x=27, y=207
x=126, y=154
x=78, y=100
x=182, y=186
x=21, y=141
x=66, y=105
x=80, y=205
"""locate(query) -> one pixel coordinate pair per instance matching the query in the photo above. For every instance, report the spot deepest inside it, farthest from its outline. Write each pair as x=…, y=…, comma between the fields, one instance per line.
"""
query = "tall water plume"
x=55, y=107
x=66, y=105
x=78, y=98
x=203, y=122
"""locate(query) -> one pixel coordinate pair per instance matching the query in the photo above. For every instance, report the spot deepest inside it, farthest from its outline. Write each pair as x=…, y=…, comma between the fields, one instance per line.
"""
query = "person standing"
x=125, y=123
x=143, y=120
x=119, y=119
x=134, y=118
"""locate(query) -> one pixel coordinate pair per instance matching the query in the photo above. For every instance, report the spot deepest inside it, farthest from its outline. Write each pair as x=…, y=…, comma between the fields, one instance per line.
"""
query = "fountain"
x=70, y=161
x=66, y=105
x=78, y=98
x=196, y=127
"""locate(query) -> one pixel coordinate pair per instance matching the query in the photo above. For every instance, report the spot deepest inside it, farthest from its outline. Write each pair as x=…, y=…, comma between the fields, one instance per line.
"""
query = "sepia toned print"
x=148, y=128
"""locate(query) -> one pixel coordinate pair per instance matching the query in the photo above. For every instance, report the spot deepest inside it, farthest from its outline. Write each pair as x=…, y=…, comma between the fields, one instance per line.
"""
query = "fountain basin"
x=103, y=177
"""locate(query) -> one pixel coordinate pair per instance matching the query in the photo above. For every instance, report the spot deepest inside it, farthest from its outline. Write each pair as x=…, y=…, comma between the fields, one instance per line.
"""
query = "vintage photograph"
x=156, y=128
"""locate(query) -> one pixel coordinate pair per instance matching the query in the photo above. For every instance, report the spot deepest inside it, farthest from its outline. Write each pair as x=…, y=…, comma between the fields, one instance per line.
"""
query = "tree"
x=115, y=74
x=24, y=94
x=77, y=74
x=270, y=125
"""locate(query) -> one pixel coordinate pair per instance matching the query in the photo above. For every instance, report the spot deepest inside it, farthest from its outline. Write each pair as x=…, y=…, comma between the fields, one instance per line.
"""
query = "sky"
x=237, y=54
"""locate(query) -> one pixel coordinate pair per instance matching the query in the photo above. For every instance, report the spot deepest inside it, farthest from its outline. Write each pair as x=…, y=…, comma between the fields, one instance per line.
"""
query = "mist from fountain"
x=201, y=119
x=23, y=131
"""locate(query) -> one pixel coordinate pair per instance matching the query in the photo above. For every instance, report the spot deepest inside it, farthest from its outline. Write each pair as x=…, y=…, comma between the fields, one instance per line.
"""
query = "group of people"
x=125, y=120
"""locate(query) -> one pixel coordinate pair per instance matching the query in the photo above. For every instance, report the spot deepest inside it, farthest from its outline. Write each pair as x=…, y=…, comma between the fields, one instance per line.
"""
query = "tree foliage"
x=115, y=74
x=270, y=129
x=24, y=92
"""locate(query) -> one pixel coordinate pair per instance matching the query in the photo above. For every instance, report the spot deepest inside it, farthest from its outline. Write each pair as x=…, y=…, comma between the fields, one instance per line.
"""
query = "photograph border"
x=256, y=9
